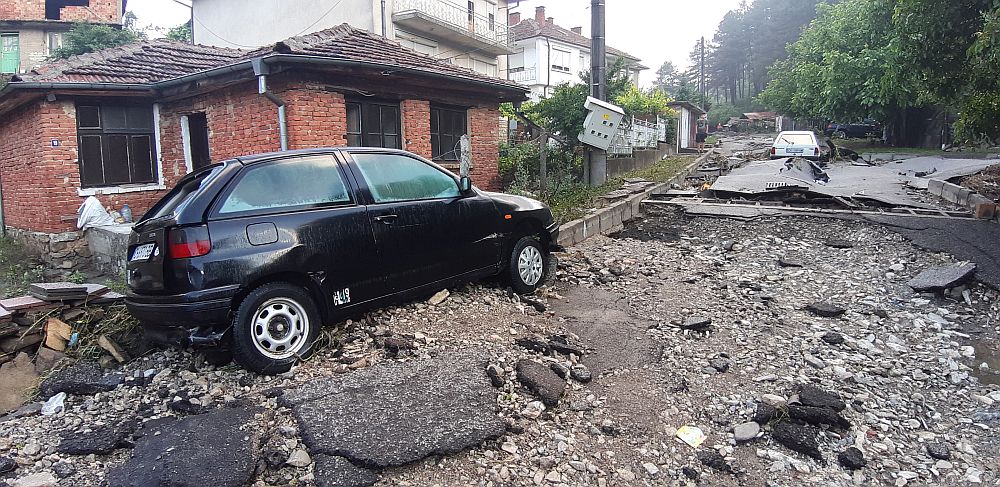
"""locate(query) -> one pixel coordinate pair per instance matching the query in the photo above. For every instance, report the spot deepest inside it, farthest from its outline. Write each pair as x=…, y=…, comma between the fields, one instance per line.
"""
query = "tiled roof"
x=347, y=43
x=529, y=28
x=160, y=60
x=140, y=63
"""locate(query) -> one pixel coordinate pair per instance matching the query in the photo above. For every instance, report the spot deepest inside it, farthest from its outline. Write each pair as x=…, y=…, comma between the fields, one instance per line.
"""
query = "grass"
x=17, y=268
x=569, y=202
x=711, y=141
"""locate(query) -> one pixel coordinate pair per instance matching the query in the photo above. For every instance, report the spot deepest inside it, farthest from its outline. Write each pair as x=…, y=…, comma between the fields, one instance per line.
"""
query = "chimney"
x=540, y=14
x=549, y=20
x=514, y=18
x=577, y=30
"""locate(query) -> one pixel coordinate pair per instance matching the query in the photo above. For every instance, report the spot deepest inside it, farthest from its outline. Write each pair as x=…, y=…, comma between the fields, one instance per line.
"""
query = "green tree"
x=88, y=37
x=181, y=33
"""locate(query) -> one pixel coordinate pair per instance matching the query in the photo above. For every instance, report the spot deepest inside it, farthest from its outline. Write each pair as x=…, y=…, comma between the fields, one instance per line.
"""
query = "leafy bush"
x=520, y=164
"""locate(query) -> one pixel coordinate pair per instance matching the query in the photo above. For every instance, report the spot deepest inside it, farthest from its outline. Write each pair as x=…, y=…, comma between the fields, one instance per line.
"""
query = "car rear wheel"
x=840, y=134
x=528, y=265
x=275, y=327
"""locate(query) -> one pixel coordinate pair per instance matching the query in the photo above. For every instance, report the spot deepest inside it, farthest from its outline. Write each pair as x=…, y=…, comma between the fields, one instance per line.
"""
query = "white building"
x=471, y=34
x=547, y=55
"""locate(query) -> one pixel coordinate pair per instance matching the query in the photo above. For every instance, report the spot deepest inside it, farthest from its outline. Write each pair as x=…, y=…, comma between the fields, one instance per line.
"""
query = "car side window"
x=394, y=177
x=296, y=182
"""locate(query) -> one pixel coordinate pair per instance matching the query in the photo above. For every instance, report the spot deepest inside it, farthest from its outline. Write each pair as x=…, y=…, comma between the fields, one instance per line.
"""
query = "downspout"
x=383, y=20
x=261, y=70
x=548, y=68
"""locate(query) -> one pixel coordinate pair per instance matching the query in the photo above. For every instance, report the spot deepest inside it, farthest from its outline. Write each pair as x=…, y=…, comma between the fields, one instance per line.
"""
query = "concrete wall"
x=640, y=159
x=240, y=24
x=108, y=247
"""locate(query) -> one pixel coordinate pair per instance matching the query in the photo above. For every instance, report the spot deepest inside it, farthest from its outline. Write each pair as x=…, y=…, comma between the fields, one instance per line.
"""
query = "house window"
x=116, y=144
x=373, y=124
x=198, y=137
x=448, y=125
x=55, y=41
x=493, y=19
x=561, y=60
x=472, y=11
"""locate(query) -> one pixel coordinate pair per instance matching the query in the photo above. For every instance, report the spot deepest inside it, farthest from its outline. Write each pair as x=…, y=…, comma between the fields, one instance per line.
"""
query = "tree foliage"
x=181, y=33
x=87, y=37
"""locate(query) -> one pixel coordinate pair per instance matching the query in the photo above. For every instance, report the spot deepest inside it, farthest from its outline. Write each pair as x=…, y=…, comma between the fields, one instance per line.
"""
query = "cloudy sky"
x=653, y=30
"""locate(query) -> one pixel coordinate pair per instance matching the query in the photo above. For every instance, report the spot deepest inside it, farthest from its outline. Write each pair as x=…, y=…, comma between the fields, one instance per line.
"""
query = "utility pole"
x=597, y=160
x=543, y=170
x=701, y=85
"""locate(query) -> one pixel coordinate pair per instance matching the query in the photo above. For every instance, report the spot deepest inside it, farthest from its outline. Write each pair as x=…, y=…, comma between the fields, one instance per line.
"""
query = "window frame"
x=363, y=185
x=363, y=134
x=559, y=67
x=104, y=134
x=436, y=136
x=215, y=210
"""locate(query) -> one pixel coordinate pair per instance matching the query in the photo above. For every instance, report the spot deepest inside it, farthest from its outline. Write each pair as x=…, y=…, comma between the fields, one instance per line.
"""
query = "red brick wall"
x=416, y=115
x=316, y=117
x=484, y=132
x=22, y=9
x=98, y=11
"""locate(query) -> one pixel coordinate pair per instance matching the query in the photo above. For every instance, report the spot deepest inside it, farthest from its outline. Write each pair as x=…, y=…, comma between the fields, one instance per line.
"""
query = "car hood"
x=514, y=202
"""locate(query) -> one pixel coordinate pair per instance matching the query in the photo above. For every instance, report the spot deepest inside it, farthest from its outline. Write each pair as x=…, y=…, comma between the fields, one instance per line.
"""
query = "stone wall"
x=65, y=251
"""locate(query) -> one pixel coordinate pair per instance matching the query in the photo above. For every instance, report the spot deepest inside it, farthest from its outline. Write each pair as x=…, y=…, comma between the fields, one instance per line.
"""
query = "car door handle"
x=386, y=219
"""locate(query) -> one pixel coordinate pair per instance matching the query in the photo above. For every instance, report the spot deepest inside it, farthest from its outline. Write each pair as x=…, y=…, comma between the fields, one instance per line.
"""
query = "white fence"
x=637, y=134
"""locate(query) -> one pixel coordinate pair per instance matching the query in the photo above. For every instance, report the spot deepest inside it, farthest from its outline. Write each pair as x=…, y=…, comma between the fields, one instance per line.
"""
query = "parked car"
x=254, y=254
x=857, y=130
x=795, y=144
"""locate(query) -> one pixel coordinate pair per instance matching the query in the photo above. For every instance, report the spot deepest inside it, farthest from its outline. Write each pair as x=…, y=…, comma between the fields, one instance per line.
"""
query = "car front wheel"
x=275, y=327
x=528, y=265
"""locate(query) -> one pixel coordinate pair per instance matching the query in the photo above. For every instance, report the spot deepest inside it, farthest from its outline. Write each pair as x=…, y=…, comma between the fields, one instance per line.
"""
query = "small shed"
x=687, y=123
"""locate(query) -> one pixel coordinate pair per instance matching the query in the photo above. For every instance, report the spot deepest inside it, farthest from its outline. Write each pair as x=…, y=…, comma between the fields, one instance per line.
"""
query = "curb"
x=982, y=207
x=612, y=218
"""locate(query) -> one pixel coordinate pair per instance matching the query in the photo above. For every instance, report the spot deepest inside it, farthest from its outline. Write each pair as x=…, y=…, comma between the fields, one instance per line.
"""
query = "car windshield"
x=795, y=139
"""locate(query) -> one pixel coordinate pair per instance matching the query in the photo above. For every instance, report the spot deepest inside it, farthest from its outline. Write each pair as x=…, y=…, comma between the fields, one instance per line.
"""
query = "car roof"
x=255, y=158
x=797, y=132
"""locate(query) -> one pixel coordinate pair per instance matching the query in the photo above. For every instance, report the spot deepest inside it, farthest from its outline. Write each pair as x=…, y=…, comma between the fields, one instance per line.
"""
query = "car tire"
x=275, y=326
x=528, y=265
x=840, y=134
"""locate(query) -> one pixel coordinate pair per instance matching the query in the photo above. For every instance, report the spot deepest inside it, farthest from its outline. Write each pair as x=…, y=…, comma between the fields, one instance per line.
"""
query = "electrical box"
x=601, y=125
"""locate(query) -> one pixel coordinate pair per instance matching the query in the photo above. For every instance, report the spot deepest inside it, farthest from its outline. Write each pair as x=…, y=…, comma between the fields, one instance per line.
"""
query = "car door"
x=425, y=229
x=297, y=216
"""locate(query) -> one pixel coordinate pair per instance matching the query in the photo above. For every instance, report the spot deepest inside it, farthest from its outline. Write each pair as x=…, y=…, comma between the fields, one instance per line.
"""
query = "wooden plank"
x=22, y=303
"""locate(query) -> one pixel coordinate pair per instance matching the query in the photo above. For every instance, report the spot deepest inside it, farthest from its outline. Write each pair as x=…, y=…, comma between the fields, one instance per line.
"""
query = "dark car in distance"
x=856, y=130
x=254, y=254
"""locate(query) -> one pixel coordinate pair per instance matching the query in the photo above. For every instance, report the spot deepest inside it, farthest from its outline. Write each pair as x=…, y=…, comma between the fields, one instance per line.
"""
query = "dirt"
x=986, y=183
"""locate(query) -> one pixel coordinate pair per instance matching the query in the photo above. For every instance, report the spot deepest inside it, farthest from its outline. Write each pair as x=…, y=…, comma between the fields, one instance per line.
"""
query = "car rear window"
x=796, y=139
x=297, y=182
x=175, y=200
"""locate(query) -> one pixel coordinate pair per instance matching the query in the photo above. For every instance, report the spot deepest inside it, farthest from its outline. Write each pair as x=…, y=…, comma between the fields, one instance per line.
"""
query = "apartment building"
x=471, y=34
x=31, y=29
x=547, y=55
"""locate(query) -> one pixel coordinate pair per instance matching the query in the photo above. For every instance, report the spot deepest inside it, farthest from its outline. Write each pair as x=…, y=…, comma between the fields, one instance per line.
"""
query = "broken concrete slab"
x=798, y=437
x=810, y=395
x=394, y=413
x=17, y=379
x=942, y=277
x=826, y=310
x=335, y=471
x=541, y=381
x=219, y=448
x=81, y=378
x=101, y=440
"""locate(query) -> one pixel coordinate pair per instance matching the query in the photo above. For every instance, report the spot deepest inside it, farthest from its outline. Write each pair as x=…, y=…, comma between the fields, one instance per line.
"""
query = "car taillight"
x=774, y=151
x=816, y=151
x=189, y=242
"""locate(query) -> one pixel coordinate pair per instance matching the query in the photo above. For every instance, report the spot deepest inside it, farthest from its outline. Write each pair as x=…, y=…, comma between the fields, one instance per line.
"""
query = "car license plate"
x=793, y=151
x=142, y=252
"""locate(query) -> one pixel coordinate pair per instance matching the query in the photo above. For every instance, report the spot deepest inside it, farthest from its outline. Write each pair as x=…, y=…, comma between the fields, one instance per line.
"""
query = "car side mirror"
x=465, y=184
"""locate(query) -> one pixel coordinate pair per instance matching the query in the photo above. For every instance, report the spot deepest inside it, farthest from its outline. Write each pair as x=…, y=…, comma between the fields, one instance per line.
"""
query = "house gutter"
x=261, y=70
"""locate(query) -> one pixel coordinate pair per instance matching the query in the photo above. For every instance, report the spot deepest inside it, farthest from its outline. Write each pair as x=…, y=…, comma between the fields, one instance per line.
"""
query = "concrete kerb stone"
x=983, y=207
x=612, y=218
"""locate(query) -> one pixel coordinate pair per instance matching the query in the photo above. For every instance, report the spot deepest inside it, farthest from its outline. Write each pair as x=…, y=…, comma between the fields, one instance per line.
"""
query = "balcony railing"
x=524, y=75
x=481, y=28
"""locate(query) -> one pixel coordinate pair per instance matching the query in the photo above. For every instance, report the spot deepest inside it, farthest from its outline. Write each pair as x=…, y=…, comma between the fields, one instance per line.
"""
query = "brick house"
x=126, y=123
x=31, y=29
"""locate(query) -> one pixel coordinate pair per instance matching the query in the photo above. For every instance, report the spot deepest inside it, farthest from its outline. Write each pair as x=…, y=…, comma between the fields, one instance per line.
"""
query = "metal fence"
x=637, y=134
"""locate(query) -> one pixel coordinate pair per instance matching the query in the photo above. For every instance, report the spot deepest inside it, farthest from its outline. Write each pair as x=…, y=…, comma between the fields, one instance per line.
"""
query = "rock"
x=690, y=473
x=218, y=448
x=41, y=479
x=534, y=344
x=773, y=400
x=939, y=451
x=826, y=310
x=275, y=456
x=789, y=262
x=580, y=373
x=746, y=431
x=765, y=413
x=112, y=347
x=31, y=449
x=287, y=431
x=797, y=437
x=839, y=243
x=541, y=381
x=99, y=441
x=17, y=379
x=534, y=303
x=713, y=459
x=82, y=378
x=395, y=413
x=7, y=464
x=398, y=345
x=337, y=471
x=810, y=395
x=185, y=407
x=299, y=459
x=559, y=369
x=817, y=416
x=651, y=469
x=697, y=323
x=46, y=359
x=496, y=376
x=561, y=345
x=63, y=469
x=852, y=459
x=438, y=297
x=833, y=338
x=720, y=364
x=942, y=277
x=814, y=361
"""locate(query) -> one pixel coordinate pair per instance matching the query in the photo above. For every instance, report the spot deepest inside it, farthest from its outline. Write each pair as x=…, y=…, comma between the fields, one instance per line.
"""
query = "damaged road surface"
x=396, y=413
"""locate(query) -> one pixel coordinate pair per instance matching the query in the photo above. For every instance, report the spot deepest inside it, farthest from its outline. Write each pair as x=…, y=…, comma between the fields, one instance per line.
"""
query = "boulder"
x=541, y=381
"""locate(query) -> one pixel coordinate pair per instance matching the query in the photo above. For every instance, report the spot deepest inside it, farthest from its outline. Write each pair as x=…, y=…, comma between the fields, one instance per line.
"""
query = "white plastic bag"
x=55, y=405
x=92, y=214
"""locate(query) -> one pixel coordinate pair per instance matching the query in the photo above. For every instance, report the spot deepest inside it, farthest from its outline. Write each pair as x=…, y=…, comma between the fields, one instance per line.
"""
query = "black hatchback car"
x=254, y=254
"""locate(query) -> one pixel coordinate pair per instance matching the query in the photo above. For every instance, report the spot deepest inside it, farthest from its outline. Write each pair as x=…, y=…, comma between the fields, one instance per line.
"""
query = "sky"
x=653, y=30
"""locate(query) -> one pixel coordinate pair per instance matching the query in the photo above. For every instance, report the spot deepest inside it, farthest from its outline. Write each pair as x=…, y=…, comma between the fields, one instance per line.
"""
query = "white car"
x=795, y=144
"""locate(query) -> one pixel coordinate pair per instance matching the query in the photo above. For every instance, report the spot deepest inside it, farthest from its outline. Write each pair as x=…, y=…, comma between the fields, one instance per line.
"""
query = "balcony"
x=442, y=20
x=525, y=76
